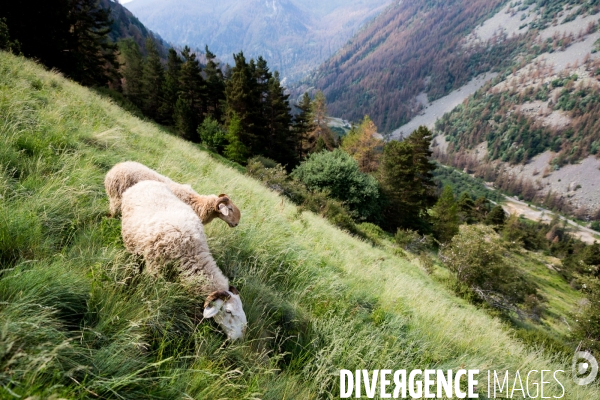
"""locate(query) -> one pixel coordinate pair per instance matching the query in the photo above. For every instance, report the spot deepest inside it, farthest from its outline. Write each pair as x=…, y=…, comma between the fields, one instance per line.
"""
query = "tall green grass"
x=78, y=320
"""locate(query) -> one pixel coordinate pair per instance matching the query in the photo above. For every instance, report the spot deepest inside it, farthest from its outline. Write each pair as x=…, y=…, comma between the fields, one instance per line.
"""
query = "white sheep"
x=165, y=231
x=126, y=174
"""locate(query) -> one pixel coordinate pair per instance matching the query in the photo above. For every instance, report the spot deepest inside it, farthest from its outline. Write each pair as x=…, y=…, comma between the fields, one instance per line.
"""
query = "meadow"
x=78, y=320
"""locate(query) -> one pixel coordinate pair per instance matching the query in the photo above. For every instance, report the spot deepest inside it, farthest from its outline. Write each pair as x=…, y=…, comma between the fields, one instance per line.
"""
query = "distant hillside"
x=294, y=35
x=536, y=125
x=126, y=25
x=414, y=46
x=79, y=320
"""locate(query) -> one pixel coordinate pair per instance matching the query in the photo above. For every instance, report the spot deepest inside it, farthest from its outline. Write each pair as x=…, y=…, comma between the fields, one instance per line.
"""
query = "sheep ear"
x=222, y=195
x=234, y=290
x=223, y=209
x=213, y=308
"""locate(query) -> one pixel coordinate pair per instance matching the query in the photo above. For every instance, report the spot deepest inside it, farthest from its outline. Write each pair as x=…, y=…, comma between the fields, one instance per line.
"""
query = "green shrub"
x=212, y=135
x=477, y=257
x=337, y=173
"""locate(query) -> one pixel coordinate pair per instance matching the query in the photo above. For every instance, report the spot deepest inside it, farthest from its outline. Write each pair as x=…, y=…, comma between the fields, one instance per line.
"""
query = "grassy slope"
x=76, y=321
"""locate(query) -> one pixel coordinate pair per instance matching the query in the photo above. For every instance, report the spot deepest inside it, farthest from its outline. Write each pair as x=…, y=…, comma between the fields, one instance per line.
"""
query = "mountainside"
x=294, y=35
x=527, y=71
x=414, y=46
x=126, y=25
x=79, y=320
x=536, y=124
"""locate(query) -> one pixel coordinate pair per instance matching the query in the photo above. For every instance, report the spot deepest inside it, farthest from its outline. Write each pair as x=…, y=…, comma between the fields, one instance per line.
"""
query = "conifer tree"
x=445, y=216
x=363, y=144
x=171, y=88
x=235, y=150
x=420, y=141
x=91, y=54
x=190, y=106
x=466, y=209
x=303, y=125
x=215, y=86
x=153, y=82
x=406, y=177
x=320, y=130
x=240, y=100
x=281, y=141
x=132, y=71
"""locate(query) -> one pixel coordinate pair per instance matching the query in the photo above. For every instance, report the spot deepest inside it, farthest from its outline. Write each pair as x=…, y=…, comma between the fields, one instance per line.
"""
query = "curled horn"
x=215, y=296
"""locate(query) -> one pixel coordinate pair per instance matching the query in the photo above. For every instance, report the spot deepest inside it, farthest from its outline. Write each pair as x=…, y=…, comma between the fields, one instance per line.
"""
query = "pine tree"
x=321, y=130
x=192, y=97
x=445, y=216
x=420, y=141
x=407, y=183
x=281, y=141
x=171, y=88
x=132, y=71
x=466, y=209
x=363, y=144
x=240, y=100
x=153, y=82
x=215, y=86
x=496, y=216
x=303, y=125
x=235, y=150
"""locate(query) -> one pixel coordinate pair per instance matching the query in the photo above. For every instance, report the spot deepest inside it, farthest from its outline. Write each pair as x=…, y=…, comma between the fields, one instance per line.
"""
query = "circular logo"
x=589, y=366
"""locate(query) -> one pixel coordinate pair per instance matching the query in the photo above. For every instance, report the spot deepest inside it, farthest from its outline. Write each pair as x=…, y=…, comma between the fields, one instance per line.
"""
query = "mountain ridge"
x=296, y=35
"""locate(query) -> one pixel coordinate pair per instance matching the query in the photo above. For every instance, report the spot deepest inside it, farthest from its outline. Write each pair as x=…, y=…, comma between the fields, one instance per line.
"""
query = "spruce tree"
x=215, y=87
x=171, y=88
x=406, y=177
x=445, y=216
x=420, y=141
x=240, y=101
x=281, y=141
x=192, y=97
x=132, y=71
x=91, y=55
x=235, y=150
x=153, y=82
x=303, y=125
x=466, y=209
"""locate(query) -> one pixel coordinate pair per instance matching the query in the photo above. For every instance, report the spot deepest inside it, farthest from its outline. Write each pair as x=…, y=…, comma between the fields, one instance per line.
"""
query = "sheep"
x=157, y=225
x=126, y=174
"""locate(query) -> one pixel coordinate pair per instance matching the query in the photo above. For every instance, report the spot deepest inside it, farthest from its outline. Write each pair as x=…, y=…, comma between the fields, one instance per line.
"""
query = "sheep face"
x=225, y=307
x=228, y=211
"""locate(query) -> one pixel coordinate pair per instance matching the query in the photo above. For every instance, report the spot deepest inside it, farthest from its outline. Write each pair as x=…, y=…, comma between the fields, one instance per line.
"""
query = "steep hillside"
x=78, y=320
x=537, y=123
x=414, y=46
x=294, y=35
x=126, y=25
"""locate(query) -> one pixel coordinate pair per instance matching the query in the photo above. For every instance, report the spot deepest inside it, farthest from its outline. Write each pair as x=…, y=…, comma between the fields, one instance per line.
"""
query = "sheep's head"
x=225, y=307
x=227, y=211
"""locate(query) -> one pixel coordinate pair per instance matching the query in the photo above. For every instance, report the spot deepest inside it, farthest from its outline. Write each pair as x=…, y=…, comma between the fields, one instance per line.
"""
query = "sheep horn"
x=223, y=295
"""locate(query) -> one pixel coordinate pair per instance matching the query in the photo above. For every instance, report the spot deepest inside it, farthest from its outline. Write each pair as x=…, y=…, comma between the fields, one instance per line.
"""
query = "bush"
x=588, y=317
x=476, y=256
x=212, y=135
x=337, y=173
x=412, y=241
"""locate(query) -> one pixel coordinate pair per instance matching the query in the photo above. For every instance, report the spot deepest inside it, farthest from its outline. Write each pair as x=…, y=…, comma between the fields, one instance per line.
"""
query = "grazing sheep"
x=165, y=231
x=126, y=174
